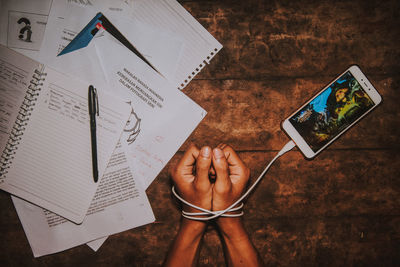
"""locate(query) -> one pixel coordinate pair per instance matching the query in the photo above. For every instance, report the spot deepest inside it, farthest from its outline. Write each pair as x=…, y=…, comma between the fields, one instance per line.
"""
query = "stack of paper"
x=161, y=118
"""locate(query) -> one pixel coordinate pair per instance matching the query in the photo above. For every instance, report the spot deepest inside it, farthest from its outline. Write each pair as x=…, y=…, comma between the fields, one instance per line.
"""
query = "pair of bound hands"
x=210, y=178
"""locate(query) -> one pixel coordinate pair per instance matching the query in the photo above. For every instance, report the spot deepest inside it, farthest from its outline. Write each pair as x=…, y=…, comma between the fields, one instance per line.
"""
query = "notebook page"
x=53, y=164
x=15, y=77
x=199, y=46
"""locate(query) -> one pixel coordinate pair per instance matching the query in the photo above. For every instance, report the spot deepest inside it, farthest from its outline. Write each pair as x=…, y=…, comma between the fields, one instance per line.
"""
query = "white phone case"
x=299, y=139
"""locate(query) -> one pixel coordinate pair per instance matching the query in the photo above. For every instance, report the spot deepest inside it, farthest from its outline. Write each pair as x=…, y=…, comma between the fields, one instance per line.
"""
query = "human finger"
x=230, y=154
x=186, y=164
x=221, y=168
x=222, y=146
x=236, y=166
x=203, y=164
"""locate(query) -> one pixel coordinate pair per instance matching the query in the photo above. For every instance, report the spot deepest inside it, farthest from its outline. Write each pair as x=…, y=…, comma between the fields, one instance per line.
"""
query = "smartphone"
x=331, y=112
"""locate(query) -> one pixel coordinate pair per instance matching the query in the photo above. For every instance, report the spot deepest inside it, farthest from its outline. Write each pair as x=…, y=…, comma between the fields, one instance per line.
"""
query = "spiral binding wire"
x=21, y=121
x=198, y=69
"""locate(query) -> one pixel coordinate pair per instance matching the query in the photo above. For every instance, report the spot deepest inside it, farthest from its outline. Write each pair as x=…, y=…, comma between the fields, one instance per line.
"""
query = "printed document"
x=162, y=117
x=118, y=205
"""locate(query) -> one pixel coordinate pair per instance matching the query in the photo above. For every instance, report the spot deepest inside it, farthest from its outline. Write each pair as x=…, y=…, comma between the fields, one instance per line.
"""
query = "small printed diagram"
x=25, y=30
x=132, y=127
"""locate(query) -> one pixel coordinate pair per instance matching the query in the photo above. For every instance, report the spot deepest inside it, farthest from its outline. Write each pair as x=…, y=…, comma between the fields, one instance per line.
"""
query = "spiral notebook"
x=45, y=135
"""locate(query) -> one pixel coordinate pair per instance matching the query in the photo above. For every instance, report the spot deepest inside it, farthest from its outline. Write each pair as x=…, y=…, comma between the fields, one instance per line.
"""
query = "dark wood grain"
x=340, y=209
x=252, y=111
x=300, y=38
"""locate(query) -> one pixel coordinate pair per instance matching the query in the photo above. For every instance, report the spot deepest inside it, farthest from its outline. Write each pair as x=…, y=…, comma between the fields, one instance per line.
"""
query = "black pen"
x=93, y=112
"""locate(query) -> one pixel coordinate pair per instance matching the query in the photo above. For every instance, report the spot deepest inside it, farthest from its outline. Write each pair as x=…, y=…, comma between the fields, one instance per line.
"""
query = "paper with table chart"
x=47, y=159
x=118, y=205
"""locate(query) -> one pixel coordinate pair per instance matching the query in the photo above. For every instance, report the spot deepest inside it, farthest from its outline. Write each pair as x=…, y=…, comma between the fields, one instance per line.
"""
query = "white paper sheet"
x=159, y=46
x=96, y=244
x=199, y=46
x=22, y=25
x=162, y=117
x=119, y=204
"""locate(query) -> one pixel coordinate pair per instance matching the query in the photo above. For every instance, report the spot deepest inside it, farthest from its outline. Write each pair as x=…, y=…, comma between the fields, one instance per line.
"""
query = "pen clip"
x=93, y=101
x=96, y=98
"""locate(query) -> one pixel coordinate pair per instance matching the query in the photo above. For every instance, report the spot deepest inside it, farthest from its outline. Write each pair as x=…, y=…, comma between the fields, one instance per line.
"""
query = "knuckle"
x=173, y=172
x=176, y=175
x=203, y=165
x=228, y=148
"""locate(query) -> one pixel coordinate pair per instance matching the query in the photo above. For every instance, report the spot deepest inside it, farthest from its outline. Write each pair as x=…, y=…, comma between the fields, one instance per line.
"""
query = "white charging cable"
x=232, y=208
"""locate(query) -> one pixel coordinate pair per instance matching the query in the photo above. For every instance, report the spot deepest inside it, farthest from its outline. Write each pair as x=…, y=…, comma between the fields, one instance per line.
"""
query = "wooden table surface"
x=340, y=209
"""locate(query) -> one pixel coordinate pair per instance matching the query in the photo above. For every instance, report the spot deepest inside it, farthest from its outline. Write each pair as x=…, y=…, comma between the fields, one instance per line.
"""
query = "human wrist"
x=193, y=227
x=231, y=228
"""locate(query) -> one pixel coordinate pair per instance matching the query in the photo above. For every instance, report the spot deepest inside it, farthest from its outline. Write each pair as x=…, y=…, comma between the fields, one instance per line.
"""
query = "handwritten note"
x=66, y=104
x=74, y=107
x=12, y=74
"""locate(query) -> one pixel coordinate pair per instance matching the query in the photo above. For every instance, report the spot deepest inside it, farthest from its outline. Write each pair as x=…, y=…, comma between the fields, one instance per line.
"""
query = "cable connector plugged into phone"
x=234, y=207
x=286, y=148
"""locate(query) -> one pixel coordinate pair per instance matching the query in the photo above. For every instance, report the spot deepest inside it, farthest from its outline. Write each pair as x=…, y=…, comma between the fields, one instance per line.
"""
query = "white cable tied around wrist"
x=233, y=207
x=205, y=212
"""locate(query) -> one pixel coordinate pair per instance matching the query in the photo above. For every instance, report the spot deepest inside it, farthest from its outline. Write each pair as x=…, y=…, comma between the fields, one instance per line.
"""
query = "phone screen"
x=332, y=111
